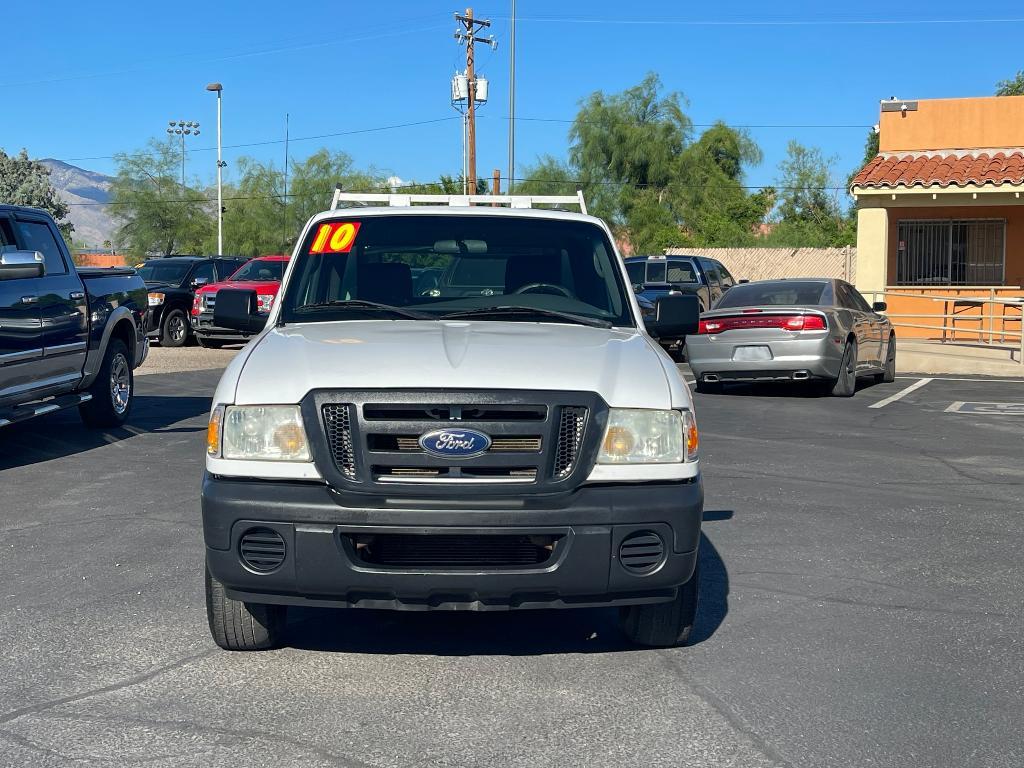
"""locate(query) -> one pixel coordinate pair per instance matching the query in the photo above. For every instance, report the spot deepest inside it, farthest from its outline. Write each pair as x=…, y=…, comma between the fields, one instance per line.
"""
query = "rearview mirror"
x=743, y=280
x=879, y=306
x=675, y=316
x=237, y=309
x=19, y=265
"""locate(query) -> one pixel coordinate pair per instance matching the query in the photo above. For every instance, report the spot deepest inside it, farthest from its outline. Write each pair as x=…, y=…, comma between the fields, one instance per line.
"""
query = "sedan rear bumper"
x=730, y=357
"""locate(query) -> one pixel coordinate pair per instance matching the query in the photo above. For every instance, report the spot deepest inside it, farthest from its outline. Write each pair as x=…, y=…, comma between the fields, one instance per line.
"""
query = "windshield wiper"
x=512, y=310
x=366, y=306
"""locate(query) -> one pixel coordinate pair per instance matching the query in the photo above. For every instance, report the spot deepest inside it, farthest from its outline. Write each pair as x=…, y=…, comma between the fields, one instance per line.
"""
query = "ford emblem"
x=455, y=443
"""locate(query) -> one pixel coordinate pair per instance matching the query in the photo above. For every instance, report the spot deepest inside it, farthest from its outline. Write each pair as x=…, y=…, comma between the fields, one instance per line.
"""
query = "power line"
x=293, y=139
x=418, y=184
x=761, y=22
x=700, y=125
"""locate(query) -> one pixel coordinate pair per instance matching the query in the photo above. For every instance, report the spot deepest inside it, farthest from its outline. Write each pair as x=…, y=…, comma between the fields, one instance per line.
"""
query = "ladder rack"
x=456, y=201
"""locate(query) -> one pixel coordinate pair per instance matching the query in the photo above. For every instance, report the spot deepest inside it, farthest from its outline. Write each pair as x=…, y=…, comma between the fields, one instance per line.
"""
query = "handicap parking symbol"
x=987, y=409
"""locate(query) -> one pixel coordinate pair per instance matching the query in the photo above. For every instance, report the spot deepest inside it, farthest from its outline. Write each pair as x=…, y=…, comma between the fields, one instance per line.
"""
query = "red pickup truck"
x=262, y=274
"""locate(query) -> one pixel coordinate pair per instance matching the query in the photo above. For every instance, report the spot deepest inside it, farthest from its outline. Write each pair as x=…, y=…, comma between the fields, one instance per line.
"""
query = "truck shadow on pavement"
x=510, y=633
x=62, y=434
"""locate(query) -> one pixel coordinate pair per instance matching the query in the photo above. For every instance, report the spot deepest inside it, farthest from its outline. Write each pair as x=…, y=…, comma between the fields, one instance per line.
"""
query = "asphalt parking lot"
x=861, y=606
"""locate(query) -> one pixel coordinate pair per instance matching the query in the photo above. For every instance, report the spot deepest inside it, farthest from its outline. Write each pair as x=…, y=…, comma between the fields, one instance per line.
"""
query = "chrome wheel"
x=120, y=383
x=176, y=328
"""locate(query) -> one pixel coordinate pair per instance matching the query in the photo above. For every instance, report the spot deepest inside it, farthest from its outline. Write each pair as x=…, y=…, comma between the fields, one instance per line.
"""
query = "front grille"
x=338, y=426
x=539, y=441
x=572, y=422
x=453, y=550
x=261, y=549
x=642, y=552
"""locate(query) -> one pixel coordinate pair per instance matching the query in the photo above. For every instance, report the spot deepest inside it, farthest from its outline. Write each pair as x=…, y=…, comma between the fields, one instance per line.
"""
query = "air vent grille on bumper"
x=641, y=552
x=453, y=551
x=261, y=549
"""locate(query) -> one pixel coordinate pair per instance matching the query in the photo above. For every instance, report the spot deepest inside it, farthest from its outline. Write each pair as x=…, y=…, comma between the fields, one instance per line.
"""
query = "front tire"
x=664, y=625
x=846, y=384
x=175, y=330
x=113, y=390
x=239, y=626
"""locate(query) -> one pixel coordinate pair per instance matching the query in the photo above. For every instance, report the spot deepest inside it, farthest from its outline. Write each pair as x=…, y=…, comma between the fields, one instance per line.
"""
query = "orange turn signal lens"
x=213, y=431
x=692, y=435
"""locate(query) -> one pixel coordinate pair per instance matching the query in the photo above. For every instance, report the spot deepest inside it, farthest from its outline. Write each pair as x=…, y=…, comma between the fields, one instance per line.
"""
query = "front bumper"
x=816, y=357
x=202, y=326
x=321, y=567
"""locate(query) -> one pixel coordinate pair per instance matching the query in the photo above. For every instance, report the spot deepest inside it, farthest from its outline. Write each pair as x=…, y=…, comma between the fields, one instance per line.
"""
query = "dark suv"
x=172, y=282
x=654, y=276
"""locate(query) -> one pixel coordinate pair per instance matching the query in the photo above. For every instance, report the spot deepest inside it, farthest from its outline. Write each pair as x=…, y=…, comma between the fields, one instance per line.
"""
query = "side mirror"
x=237, y=309
x=199, y=282
x=879, y=306
x=674, y=317
x=19, y=265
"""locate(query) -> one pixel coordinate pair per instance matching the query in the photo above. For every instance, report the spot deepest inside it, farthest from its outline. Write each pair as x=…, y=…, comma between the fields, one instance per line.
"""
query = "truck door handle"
x=76, y=295
x=29, y=299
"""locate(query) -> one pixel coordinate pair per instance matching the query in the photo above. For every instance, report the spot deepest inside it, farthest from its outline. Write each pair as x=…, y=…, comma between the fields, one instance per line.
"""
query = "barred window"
x=951, y=252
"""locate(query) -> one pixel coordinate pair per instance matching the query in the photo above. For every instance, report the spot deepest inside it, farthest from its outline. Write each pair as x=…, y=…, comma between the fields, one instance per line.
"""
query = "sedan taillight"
x=762, y=320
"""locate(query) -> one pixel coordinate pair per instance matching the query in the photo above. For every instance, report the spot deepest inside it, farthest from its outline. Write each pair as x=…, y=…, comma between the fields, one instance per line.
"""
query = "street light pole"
x=218, y=88
x=512, y=101
x=182, y=128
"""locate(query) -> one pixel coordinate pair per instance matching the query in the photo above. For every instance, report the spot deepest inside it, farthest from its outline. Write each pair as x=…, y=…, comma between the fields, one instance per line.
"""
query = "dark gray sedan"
x=818, y=330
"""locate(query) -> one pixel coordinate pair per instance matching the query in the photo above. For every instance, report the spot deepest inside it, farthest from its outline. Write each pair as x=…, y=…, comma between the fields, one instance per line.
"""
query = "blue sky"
x=82, y=81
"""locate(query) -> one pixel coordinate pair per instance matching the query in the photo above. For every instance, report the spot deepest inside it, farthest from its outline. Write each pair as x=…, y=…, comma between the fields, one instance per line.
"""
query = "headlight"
x=155, y=299
x=636, y=436
x=257, y=433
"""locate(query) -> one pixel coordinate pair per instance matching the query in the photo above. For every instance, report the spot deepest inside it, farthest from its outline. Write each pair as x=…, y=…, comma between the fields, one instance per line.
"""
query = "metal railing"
x=986, y=315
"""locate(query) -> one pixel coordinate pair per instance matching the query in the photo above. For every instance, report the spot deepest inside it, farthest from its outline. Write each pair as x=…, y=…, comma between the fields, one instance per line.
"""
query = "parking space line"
x=901, y=394
x=979, y=381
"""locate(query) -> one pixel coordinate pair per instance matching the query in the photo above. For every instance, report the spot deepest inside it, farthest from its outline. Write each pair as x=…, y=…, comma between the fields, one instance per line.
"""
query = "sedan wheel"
x=888, y=374
x=846, y=384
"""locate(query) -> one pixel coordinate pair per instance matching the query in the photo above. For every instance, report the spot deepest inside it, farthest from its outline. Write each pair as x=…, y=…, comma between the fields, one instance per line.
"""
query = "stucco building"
x=940, y=214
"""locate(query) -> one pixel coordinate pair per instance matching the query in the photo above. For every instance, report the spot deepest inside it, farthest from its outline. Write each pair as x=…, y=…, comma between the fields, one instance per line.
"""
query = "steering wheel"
x=545, y=288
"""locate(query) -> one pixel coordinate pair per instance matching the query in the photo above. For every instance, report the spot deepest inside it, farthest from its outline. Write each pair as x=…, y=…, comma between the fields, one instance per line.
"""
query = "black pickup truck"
x=68, y=337
x=172, y=282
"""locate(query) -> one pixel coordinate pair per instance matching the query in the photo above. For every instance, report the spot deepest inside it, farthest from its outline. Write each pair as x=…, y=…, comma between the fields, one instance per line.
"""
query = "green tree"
x=255, y=220
x=312, y=183
x=1012, y=87
x=156, y=214
x=26, y=182
x=627, y=141
x=808, y=211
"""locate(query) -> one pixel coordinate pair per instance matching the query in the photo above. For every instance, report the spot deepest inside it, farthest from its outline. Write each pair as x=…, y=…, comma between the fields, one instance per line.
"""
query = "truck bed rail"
x=406, y=200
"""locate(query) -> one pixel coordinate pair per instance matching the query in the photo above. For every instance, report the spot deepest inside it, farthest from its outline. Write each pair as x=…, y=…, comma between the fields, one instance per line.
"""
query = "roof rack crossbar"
x=401, y=200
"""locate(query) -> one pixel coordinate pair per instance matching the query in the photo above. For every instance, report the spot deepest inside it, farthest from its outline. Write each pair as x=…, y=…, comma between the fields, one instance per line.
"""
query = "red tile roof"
x=943, y=169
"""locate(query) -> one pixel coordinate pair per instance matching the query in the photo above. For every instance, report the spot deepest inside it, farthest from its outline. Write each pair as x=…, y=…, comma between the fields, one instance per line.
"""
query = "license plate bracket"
x=752, y=353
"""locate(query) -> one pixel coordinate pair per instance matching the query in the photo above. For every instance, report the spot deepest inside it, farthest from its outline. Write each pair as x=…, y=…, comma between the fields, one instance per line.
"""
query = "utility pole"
x=495, y=184
x=285, y=218
x=467, y=35
x=512, y=101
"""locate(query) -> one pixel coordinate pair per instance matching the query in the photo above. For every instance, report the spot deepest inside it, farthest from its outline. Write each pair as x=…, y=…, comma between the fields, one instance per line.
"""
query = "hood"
x=260, y=286
x=160, y=285
x=622, y=366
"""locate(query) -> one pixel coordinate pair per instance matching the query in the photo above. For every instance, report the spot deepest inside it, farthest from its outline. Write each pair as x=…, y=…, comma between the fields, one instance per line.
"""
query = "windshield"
x=431, y=266
x=787, y=294
x=164, y=272
x=260, y=269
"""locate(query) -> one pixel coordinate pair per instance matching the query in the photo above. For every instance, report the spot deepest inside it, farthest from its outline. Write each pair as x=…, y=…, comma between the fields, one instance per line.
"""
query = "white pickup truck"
x=507, y=436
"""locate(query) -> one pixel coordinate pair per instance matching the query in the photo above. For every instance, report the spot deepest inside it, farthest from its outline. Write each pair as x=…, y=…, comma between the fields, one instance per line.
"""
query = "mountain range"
x=87, y=194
